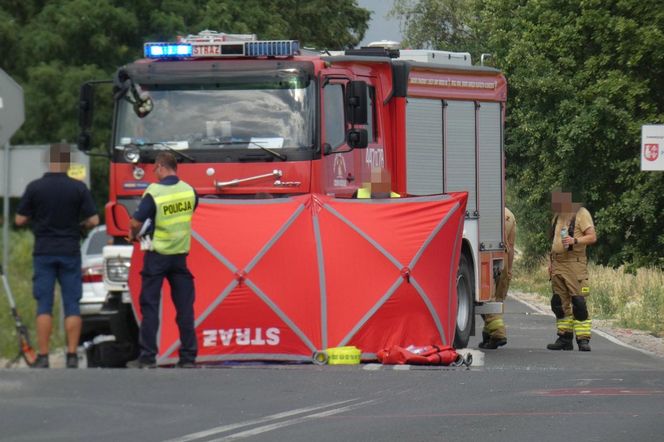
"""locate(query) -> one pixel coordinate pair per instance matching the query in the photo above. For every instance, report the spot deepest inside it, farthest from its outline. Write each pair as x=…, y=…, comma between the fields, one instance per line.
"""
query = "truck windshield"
x=274, y=115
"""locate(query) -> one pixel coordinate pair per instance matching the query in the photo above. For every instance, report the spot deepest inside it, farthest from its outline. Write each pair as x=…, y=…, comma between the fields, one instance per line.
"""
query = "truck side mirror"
x=85, y=109
x=357, y=102
x=358, y=138
x=121, y=217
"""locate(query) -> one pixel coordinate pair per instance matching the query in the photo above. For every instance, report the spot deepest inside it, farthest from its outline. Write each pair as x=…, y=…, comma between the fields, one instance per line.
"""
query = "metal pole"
x=5, y=210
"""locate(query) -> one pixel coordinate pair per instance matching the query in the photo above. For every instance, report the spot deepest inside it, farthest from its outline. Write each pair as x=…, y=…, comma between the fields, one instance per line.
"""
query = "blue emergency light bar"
x=275, y=48
x=167, y=50
x=213, y=49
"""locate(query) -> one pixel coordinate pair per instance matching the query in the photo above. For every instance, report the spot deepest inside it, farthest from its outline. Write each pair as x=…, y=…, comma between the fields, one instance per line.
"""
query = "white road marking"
x=286, y=423
x=10, y=385
x=229, y=427
x=372, y=367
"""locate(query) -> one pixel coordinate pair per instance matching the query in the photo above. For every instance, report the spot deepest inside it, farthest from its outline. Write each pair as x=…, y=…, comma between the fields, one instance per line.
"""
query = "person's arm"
x=88, y=210
x=134, y=228
x=511, y=243
x=90, y=222
x=24, y=210
x=146, y=209
x=21, y=220
x=589, y=237
x=586, y=226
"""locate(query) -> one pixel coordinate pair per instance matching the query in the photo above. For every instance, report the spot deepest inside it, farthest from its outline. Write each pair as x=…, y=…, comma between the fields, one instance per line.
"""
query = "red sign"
x=651, y=151
x=206, y=50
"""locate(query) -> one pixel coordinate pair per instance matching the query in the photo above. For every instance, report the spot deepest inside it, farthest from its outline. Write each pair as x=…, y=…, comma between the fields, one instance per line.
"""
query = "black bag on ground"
x=110, y=354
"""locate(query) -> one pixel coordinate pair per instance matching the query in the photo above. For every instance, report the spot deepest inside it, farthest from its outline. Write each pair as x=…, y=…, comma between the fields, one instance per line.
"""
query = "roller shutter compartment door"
x=490, y=194
x=460, y=153
x=424, y=146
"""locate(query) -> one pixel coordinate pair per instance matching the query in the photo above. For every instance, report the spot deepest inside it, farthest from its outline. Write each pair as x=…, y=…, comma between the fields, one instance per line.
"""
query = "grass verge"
x=19, y=275
x=632, y=300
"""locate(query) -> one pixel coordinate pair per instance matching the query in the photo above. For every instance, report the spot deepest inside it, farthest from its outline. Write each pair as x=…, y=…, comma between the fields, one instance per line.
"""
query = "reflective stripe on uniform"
x=582, y=329
x=494, y=325
x=160, y=234
x=363, y=193
x=177, y=220
x=174, y=196
x=565, y=325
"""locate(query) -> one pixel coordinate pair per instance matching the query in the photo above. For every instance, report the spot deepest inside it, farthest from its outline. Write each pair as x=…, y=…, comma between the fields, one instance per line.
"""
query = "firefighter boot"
x=564, y=342
x=584, y=344
x=491, y=343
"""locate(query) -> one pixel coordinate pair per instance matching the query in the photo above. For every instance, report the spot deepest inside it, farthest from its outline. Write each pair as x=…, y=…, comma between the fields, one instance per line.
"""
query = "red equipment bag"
x=426, y=355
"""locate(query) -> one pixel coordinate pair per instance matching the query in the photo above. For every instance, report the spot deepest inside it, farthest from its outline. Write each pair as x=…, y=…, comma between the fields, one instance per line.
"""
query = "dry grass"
x=631, y=300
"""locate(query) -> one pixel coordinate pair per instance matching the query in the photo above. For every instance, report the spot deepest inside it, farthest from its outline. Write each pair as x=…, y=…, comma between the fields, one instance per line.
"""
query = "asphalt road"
x=522, y=392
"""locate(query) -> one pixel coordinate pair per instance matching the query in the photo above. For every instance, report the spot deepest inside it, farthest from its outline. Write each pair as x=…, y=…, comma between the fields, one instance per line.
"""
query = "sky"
x=380, y=27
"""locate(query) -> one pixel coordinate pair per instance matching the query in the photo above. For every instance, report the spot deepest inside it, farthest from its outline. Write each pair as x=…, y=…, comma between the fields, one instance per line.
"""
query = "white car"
x=105, y=304
x=92, y=269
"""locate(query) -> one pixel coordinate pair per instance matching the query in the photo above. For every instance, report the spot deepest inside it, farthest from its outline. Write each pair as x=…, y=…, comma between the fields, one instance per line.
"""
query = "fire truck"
x=251, y=119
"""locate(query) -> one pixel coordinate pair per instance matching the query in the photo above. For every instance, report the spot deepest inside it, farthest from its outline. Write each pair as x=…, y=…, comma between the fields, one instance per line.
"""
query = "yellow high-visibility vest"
x=175, y=208
x=366, y=193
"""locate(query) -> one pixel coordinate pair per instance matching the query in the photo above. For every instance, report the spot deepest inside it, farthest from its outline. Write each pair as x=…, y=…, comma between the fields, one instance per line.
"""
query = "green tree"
x=52, y=47
x=583, y=76
x=8, y=38
x=52, y=44
x=436, y=24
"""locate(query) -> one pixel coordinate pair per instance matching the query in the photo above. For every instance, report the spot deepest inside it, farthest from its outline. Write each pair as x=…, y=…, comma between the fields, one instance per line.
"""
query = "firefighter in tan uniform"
x=493, y=334
x=573, y=230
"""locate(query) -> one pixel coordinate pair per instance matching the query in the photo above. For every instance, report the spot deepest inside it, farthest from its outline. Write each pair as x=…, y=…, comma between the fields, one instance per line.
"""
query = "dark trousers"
x=156, y=267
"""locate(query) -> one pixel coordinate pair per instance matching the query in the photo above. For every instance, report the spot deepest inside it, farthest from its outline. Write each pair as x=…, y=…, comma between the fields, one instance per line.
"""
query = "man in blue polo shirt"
x=57, y=206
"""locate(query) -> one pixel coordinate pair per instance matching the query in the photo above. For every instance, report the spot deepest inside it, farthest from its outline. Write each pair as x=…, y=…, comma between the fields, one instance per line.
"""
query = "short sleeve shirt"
x=583, y=222
x=56, y=204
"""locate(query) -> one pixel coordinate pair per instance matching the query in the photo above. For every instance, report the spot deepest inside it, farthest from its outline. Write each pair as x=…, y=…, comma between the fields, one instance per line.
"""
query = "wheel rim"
x=463, y=304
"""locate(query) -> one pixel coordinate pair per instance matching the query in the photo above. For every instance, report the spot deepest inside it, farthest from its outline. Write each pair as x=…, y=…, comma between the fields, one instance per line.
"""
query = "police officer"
x=170, y=205
x=494, y=334
x=573, y=231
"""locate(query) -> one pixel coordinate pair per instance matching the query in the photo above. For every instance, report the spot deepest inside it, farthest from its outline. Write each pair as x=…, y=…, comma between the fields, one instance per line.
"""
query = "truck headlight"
x=117, y=269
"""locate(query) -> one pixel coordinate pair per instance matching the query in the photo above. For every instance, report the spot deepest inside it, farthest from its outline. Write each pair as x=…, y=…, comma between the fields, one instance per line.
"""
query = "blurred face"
x=59, y=157
x=561, y=202
x=380, y=180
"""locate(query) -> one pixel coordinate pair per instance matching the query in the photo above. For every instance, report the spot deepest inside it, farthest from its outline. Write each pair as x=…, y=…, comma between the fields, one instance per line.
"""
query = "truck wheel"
x=465, y=303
